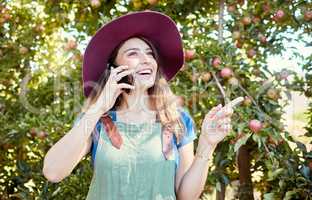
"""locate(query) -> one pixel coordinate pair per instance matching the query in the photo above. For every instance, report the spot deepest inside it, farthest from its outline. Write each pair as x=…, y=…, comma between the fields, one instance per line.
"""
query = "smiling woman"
x=141, y=143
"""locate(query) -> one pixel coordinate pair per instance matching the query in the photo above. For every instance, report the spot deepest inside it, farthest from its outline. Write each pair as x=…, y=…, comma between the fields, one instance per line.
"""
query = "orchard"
x=226, y=48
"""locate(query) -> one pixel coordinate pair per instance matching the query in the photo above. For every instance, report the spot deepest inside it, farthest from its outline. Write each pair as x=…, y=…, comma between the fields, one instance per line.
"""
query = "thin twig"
x=226, y=99
x=255, y=103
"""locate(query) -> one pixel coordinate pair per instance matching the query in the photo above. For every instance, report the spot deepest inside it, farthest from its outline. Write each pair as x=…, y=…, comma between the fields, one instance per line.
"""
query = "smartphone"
x=126, y=79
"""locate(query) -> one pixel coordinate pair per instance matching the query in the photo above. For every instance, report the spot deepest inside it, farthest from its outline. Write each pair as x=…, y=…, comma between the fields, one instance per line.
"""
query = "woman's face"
x=138, y=55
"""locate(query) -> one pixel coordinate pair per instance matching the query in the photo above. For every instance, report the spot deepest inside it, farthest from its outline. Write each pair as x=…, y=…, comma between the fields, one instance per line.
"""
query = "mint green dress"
x=139, y=169
x=136, y=171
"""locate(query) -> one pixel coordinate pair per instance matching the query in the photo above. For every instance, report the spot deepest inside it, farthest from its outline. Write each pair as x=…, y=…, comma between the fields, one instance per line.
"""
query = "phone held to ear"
x=126, y=79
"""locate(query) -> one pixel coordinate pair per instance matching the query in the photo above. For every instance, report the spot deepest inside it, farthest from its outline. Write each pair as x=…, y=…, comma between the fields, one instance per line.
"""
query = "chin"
x=146, y=84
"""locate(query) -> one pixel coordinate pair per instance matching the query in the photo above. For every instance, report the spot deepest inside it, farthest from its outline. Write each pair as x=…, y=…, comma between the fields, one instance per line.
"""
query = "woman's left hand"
x=216, y=125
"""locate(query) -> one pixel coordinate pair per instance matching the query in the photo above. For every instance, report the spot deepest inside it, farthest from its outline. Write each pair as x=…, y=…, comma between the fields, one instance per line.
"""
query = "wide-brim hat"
x=157, y=27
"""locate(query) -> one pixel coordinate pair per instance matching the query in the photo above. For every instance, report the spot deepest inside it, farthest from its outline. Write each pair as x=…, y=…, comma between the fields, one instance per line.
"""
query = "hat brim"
x=158, y=28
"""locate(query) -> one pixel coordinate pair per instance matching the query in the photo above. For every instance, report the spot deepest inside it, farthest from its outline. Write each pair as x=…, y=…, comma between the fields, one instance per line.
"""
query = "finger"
x=124, y=73
x=213, y=111
x=225, y=127
x=125, y=86
x=235, y=102
x=223, y=113
x=225, y=120
x=119, y=69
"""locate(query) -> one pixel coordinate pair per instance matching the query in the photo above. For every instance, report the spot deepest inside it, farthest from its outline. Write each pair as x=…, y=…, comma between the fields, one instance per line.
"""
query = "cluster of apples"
x=40, y=134
x=226, y=72
x=4, y=15
x=189, y=55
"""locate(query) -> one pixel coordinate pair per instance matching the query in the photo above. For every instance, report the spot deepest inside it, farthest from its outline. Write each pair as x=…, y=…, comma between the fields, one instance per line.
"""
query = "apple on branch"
x=226, y=72
x=189, y=54
x=255, y=125
x=216, y=62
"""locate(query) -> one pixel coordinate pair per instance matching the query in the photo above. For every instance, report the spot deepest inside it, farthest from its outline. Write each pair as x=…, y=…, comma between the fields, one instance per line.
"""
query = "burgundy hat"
x=158, y=28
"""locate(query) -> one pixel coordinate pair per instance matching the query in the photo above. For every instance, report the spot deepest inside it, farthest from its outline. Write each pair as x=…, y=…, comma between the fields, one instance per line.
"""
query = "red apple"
x=262, y=38
x=7, y=16
x=247, y=101
x=236, y=35
x=39, y=28
x=246, y=20
x=278, y=15
x=231, y=8
x=189, y=54
x=226, y=72
x=42, y=134
x=256, y=19
x=23, y=50
x=241, y=2
x=7, y=146
x=95, y=3
x=152, y=2
x=255, y=125
x=272, y=141
x=251, y=53
x=206, y=77
x=216, y=62
x=266, y=8
x=308, y=15
x=71, y=44
x=33, y=132
x=239, y=44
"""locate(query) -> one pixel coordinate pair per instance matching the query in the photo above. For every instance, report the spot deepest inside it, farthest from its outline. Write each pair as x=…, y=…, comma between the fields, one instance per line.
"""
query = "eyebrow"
x=136, y=49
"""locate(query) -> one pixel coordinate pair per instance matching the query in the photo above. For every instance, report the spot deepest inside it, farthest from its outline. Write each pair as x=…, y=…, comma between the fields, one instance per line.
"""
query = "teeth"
x=145, y=71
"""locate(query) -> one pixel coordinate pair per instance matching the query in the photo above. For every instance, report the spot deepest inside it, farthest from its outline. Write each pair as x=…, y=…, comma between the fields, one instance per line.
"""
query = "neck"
x=137, y=101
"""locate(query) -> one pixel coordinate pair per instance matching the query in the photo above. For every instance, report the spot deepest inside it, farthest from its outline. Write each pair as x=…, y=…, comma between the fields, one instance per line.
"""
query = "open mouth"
x=145, y=72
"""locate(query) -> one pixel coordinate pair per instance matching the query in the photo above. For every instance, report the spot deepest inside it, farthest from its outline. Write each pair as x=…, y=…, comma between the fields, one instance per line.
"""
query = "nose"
x=144, y=57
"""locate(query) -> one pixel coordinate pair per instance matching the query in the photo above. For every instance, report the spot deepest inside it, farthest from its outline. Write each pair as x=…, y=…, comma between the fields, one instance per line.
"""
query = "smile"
x=145, y=72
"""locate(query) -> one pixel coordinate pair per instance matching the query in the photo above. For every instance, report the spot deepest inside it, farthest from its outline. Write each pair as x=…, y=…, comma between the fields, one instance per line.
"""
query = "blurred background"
x=261, y=50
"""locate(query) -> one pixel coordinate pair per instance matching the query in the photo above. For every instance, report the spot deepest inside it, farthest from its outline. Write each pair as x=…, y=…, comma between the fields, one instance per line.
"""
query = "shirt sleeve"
x=190, y=131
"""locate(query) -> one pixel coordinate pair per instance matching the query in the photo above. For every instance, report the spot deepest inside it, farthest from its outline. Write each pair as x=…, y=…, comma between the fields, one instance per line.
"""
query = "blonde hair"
x=160, y=94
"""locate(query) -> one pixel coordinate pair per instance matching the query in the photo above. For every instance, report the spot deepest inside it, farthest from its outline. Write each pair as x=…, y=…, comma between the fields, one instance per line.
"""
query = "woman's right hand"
x=112, y=88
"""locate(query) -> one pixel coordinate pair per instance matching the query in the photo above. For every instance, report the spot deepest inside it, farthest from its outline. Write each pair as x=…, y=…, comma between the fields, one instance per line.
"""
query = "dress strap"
x=112, y=131
x=116, y=139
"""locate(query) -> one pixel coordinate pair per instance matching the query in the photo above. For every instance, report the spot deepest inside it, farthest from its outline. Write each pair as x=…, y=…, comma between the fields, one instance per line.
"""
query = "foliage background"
x=41, y=52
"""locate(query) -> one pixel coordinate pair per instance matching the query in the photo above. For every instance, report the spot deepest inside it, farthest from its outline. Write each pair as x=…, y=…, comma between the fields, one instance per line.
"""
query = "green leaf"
x=289, y=194
x=269, y=196
x=274, y=174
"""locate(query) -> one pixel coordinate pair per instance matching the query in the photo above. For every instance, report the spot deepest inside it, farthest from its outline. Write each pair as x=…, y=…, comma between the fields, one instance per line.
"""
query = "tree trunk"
x=245, y=191
x=221, y=194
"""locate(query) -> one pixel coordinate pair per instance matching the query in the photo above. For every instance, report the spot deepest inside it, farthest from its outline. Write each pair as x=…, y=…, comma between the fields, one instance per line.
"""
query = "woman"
x=141, y=143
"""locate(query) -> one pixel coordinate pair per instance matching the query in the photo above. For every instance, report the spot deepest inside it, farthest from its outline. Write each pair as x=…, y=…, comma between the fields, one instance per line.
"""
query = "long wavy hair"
x=161, y=97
